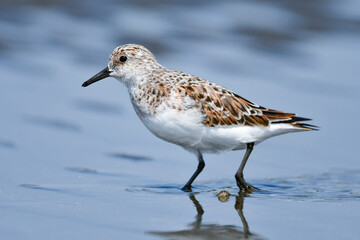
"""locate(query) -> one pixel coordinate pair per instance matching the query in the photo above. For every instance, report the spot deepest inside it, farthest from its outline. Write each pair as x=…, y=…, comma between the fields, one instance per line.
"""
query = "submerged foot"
x=244, y=186
x=186, y=188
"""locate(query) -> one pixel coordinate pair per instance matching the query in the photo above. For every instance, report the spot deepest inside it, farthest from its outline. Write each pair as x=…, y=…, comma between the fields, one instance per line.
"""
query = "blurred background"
x=77, y=162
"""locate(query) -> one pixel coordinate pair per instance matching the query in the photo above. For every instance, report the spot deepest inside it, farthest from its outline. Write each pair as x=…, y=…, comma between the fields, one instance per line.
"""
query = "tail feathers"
x=306, y=126
x=276, y=117
x=297, y=122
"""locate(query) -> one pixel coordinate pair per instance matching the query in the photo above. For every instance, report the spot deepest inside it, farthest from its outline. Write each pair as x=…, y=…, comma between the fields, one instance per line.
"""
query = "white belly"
x=185, y=128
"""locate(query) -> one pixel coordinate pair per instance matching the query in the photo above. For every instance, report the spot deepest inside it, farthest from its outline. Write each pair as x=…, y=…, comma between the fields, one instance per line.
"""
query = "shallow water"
x=77, y=163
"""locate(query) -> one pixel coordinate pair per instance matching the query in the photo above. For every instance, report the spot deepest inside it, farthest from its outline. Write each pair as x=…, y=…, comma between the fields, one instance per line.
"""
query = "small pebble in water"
x=223, y=196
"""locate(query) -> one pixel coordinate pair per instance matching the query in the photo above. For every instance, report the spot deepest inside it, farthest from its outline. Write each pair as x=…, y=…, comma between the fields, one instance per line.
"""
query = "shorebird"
x=194, y=113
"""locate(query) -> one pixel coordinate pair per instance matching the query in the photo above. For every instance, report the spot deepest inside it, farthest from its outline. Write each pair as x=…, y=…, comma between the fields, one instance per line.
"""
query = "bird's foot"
x=186, y=188
x=244, y=186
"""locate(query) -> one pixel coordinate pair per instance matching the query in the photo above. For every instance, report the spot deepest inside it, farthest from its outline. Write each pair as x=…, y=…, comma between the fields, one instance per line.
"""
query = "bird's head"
x=127, y=63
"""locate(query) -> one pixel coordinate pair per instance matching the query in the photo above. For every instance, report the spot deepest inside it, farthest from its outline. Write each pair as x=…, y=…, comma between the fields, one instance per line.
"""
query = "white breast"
x=183, y=128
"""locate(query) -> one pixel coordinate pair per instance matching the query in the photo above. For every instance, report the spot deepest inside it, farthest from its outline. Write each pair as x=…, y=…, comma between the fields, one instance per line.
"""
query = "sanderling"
x=196, y=114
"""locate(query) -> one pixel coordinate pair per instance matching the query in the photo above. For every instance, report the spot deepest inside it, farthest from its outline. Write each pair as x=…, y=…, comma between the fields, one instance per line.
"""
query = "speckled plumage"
x=194, y=113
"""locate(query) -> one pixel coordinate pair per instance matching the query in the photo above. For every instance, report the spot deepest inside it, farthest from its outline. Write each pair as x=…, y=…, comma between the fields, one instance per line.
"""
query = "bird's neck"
x=148, y=92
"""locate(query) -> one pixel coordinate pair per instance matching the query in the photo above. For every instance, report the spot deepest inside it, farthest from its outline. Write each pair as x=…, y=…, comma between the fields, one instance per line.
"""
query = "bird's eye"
x=123, y=58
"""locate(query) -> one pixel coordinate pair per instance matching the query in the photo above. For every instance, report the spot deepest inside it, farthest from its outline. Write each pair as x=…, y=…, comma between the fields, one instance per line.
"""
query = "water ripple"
x=324, y=187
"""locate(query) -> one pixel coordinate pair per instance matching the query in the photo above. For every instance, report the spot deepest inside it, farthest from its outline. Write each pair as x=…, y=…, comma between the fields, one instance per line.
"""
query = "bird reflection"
x=198, y=230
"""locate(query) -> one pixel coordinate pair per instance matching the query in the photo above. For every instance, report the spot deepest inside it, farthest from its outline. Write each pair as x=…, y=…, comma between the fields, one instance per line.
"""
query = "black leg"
x=239, y=176
x=200, y=167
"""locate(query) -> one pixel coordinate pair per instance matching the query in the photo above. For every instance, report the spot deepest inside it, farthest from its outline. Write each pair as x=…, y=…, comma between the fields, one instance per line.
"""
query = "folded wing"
x=222, y=107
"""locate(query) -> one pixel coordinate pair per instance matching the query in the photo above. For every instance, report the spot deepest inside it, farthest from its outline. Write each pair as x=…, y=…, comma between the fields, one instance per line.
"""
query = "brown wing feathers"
x=275, y=116
x=222, y=107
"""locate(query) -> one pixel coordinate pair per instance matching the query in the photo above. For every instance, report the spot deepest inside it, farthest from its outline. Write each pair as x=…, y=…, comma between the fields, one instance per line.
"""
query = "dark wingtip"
x=298, y=122
x=300, y=119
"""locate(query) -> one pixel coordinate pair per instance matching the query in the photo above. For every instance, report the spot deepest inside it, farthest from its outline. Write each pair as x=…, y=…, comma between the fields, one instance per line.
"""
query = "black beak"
x=101, y=75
